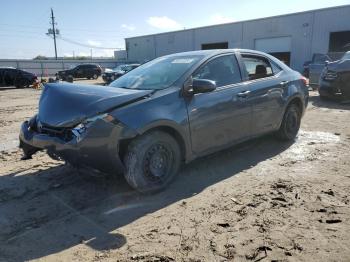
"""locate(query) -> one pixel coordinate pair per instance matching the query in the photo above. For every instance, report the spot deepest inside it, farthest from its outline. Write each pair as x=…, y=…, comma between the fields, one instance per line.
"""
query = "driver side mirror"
x=203, y=86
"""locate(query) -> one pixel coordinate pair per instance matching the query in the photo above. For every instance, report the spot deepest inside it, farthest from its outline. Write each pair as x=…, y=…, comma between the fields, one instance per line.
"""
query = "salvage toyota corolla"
x=170, y=110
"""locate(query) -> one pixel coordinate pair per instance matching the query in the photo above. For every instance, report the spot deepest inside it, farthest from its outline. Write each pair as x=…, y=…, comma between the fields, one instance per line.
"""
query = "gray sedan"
x=170, y=110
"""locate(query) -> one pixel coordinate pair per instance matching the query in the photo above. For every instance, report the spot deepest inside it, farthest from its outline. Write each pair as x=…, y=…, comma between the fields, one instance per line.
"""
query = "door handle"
x=243, y=94
x=284, y=83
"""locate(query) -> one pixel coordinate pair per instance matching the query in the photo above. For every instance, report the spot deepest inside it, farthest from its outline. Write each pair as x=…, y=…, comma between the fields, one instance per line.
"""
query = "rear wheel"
x=152, y=161
x=95, y=76
x=290, y=124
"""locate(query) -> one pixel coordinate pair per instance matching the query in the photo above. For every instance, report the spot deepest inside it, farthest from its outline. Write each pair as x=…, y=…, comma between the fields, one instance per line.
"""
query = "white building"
x=293, y=38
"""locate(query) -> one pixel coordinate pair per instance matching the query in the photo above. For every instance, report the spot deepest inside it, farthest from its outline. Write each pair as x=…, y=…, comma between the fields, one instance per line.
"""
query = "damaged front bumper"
x=329, y=89
x=96, y=147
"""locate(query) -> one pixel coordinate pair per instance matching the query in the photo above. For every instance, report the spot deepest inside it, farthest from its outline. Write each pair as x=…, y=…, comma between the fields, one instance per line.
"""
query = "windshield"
x=157, y=74
x=120, y=68
x=346, y=56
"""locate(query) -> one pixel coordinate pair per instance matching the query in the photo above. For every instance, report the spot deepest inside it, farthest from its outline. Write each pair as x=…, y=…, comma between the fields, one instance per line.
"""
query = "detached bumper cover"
x=97, y=147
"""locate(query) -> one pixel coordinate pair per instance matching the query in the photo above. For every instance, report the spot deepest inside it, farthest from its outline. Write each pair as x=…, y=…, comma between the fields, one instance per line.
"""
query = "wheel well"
x=123, y=145
x=297, y=101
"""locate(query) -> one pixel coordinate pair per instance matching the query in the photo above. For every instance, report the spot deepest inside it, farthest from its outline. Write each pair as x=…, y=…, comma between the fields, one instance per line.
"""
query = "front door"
x=223, y=116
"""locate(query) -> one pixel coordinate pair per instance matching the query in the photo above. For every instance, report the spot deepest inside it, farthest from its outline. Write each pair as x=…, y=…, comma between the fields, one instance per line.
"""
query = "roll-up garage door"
x=280, y=47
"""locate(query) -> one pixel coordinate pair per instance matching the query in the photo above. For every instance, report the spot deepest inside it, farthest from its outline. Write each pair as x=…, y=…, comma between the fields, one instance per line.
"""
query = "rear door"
x=79, y=71
x=266, y=83
x=221, y=117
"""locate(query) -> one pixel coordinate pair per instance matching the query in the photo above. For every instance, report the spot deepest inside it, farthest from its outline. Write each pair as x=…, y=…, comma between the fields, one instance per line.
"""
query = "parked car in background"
x=10, y=76
x=315, y=67
x=335, y=79
x=89, y=71
x=316, y=59
x=170, y=110
x=110, y=75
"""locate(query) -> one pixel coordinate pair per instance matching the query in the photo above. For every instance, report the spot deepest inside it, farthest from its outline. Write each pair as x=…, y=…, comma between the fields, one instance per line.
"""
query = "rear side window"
x=224, y=70
x=275, y=68
x=11, y=72
x=257, y=66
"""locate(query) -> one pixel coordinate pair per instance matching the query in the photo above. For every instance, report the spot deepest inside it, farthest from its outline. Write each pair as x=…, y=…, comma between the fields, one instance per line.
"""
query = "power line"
x=100, y=38
x=17, y=25
x=23, y=36
x=65, y=28
x=87, y=45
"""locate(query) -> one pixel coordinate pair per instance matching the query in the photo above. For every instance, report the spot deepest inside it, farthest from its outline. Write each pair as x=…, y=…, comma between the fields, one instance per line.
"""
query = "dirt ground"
x=261, y=201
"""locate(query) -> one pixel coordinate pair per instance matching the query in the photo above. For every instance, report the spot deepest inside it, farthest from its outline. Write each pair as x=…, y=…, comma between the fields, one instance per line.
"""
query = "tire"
x=152, y=161
x=290, y=124
x=21, y=83
x=70, y=79
x=95, y=76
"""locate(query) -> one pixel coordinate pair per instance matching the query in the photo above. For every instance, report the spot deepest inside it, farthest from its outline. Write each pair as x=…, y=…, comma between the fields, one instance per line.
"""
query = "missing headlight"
x=83, y=126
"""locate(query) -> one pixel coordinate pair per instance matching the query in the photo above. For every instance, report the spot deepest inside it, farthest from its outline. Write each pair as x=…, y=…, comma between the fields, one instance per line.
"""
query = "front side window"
x=224, y=70
x=275, y=68
x=320, y=58
x=257, y=66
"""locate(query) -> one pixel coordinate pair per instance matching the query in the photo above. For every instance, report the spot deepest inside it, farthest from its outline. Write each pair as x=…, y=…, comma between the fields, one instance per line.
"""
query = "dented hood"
x=339, y=65
x=66, y=105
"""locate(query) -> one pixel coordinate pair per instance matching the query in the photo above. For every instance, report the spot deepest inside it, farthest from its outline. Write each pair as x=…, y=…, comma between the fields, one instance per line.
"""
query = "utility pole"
x=53, y=31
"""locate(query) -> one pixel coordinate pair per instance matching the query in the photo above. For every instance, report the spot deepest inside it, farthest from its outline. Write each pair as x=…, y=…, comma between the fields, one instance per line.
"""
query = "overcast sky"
x=105, y=23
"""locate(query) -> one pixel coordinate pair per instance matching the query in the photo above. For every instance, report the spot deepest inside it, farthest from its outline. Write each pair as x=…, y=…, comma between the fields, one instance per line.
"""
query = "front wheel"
x=95, y=76
x=290, y=124
x=152, y=161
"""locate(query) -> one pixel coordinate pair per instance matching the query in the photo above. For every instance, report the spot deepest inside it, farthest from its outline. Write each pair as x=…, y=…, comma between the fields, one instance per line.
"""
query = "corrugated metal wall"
x=309, y=32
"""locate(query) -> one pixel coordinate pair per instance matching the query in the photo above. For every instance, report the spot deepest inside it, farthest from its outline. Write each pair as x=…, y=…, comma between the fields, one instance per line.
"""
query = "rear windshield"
x=157, y=74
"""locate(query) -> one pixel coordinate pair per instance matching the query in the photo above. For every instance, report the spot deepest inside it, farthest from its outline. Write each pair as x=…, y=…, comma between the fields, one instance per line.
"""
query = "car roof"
x=7, y=67
x=89, y=64
x=213, y=52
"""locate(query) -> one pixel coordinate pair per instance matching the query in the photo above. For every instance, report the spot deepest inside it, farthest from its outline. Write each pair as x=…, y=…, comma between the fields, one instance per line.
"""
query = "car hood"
x=339, y=65
x=108, y=70
x=64, y=71
x=66, y=105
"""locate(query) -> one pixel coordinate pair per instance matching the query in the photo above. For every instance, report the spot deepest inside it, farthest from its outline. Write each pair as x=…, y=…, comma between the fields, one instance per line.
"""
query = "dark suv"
x=81, y=71
x=10, y=76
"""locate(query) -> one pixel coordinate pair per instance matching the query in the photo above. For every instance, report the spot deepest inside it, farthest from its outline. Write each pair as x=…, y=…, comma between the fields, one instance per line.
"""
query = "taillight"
x=305, y=80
